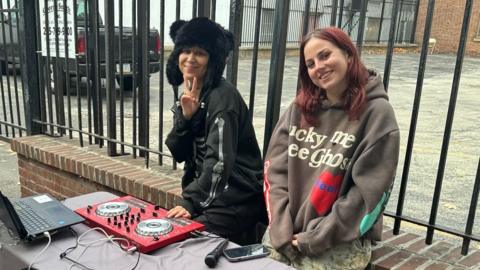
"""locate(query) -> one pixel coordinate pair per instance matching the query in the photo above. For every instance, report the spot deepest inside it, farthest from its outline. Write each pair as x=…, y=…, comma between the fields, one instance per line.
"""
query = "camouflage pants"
x=349, y=256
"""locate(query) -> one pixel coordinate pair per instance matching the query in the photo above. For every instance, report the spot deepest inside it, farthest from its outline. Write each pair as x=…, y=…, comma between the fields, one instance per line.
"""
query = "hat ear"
x=174, y=28
x=230, y=41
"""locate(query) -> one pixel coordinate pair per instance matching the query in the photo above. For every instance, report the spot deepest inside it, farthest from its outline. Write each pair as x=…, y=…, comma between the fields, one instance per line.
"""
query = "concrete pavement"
x=9, y=182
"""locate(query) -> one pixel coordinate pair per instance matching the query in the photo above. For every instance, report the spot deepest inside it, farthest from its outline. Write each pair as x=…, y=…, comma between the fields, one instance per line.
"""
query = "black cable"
x=197, y=233
x=63, y=255
x=75, y=262
x=138, y=260
x=70, y=249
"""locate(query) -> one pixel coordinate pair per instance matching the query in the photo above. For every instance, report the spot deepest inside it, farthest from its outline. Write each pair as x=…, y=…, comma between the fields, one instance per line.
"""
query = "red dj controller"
x=145, y=225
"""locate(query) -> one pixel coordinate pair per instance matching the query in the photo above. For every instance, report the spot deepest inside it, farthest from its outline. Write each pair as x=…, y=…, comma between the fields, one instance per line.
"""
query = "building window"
x=267, y=24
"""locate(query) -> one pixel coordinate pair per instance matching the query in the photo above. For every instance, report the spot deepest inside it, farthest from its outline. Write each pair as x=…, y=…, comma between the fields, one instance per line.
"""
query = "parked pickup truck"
x=9, y=49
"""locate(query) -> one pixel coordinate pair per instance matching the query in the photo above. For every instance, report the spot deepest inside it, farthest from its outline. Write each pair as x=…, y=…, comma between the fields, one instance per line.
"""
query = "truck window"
x=9, y=19
x=80, y=10
x=81, y=13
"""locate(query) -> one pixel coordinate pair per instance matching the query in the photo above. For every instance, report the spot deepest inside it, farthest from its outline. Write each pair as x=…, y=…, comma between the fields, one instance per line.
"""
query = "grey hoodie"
x=329, y=184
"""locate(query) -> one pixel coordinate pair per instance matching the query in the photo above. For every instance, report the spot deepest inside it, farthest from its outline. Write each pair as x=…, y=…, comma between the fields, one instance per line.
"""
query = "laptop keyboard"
x=30, y=219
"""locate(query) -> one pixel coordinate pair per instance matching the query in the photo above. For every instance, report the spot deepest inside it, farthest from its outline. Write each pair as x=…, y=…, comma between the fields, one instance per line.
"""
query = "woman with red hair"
x=331, y=161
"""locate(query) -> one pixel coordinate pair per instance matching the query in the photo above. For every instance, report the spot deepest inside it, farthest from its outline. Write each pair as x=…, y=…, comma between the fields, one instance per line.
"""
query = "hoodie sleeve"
x=355, y=213
x=221, y=145
x=179, y=140
x=276, y=188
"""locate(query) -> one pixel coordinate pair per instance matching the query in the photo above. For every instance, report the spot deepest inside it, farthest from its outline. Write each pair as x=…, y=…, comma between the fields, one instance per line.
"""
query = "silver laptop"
x=30, y=217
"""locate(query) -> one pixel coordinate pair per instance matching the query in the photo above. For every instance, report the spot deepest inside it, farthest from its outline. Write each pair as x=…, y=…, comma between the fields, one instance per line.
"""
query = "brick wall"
x=36, y=177
x=447, y=25
x=408, y=251
x=63, y=169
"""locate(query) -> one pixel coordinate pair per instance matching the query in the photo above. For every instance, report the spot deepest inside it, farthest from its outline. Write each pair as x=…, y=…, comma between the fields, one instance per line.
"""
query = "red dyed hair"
x=309, y=96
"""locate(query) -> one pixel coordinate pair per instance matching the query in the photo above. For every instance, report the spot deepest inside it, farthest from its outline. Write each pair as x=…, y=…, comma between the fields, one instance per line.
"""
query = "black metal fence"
x=13, y=123
x=99, y=81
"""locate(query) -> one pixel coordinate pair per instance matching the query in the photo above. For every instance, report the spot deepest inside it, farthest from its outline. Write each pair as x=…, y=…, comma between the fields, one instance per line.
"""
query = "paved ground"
x=9, y=184
x=464, y=149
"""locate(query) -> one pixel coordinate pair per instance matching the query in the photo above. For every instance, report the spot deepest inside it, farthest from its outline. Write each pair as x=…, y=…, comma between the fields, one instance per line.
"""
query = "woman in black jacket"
x=213, y=135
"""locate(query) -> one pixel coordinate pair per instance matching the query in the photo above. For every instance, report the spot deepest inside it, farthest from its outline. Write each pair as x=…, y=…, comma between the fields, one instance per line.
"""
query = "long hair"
x=309, y=95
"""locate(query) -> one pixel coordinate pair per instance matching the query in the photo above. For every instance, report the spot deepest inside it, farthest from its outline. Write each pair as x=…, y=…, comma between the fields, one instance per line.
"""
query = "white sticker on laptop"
x=42, y=199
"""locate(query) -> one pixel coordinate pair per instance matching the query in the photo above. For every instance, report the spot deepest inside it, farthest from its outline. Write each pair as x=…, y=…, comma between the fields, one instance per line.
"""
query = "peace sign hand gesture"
x=190, y=98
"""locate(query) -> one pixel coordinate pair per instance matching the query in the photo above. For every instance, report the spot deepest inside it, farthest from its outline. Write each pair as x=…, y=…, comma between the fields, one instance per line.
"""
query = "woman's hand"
x=190, y=98
x=178, y=212
x=295, y=241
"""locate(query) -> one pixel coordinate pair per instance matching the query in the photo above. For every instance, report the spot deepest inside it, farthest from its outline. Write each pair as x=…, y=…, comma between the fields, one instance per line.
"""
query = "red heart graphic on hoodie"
x=325, y=192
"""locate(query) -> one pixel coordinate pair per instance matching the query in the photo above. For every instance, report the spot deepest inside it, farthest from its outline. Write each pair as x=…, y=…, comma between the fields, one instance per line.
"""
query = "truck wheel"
x=127, y=83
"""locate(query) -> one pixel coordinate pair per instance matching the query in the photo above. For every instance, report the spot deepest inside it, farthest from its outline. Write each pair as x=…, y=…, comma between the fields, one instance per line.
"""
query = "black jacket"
x=223, y=165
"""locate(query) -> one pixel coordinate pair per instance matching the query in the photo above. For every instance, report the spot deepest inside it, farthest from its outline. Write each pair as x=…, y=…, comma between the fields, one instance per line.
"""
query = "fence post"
x=143, y=74
x=333, y=17
x=361, y=26
x=471, y=211
x=277, y=64
x=203, y=8
x=94, y=69
x=340, y=14
x=213, y=9
x=110, y=74
x=391, y=43
x=235, y=26
x=415, y=18
x=27, y=29
x=449, y=121
x=306, y=18
x=413, y=121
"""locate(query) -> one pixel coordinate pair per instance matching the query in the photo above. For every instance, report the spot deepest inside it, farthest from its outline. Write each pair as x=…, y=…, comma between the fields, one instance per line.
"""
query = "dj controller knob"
x=142, y=210
x=125, y=223
x=115, y=218
x=132, y=220
x=89, y=207
x=88, y=210
x=128, y=229
x=121, y=216
x=109, y=220
x=157, y=207
x=155, y=238
x=119, y=225
x=138, y=218
x=154, y=214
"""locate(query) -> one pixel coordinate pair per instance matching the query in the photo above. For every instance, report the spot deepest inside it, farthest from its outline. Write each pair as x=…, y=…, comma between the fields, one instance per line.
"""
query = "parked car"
x=9, y=48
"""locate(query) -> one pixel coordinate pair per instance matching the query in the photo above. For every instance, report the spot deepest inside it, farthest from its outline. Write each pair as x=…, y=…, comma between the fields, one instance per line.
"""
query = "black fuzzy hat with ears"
x=203, y=33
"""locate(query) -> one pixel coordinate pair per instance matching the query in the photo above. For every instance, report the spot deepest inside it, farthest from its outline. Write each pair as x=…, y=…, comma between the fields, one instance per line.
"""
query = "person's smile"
x=327, y=67
x=193, y=62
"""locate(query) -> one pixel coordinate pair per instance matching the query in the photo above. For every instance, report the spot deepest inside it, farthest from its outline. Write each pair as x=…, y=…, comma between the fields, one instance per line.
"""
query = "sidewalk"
x=9, y=183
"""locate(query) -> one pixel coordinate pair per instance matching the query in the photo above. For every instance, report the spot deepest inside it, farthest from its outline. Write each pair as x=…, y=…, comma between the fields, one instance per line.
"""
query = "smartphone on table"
x=246, y=252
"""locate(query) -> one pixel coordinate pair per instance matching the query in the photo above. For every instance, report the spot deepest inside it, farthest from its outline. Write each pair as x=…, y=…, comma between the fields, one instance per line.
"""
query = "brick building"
x=447, y=25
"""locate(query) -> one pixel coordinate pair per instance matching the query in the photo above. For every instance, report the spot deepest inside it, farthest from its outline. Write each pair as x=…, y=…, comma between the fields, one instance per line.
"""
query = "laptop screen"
x=31, y=216
x=10, y=219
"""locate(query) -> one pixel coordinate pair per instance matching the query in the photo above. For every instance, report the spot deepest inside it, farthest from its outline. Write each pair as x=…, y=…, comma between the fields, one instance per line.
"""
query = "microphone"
x=212, y=258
